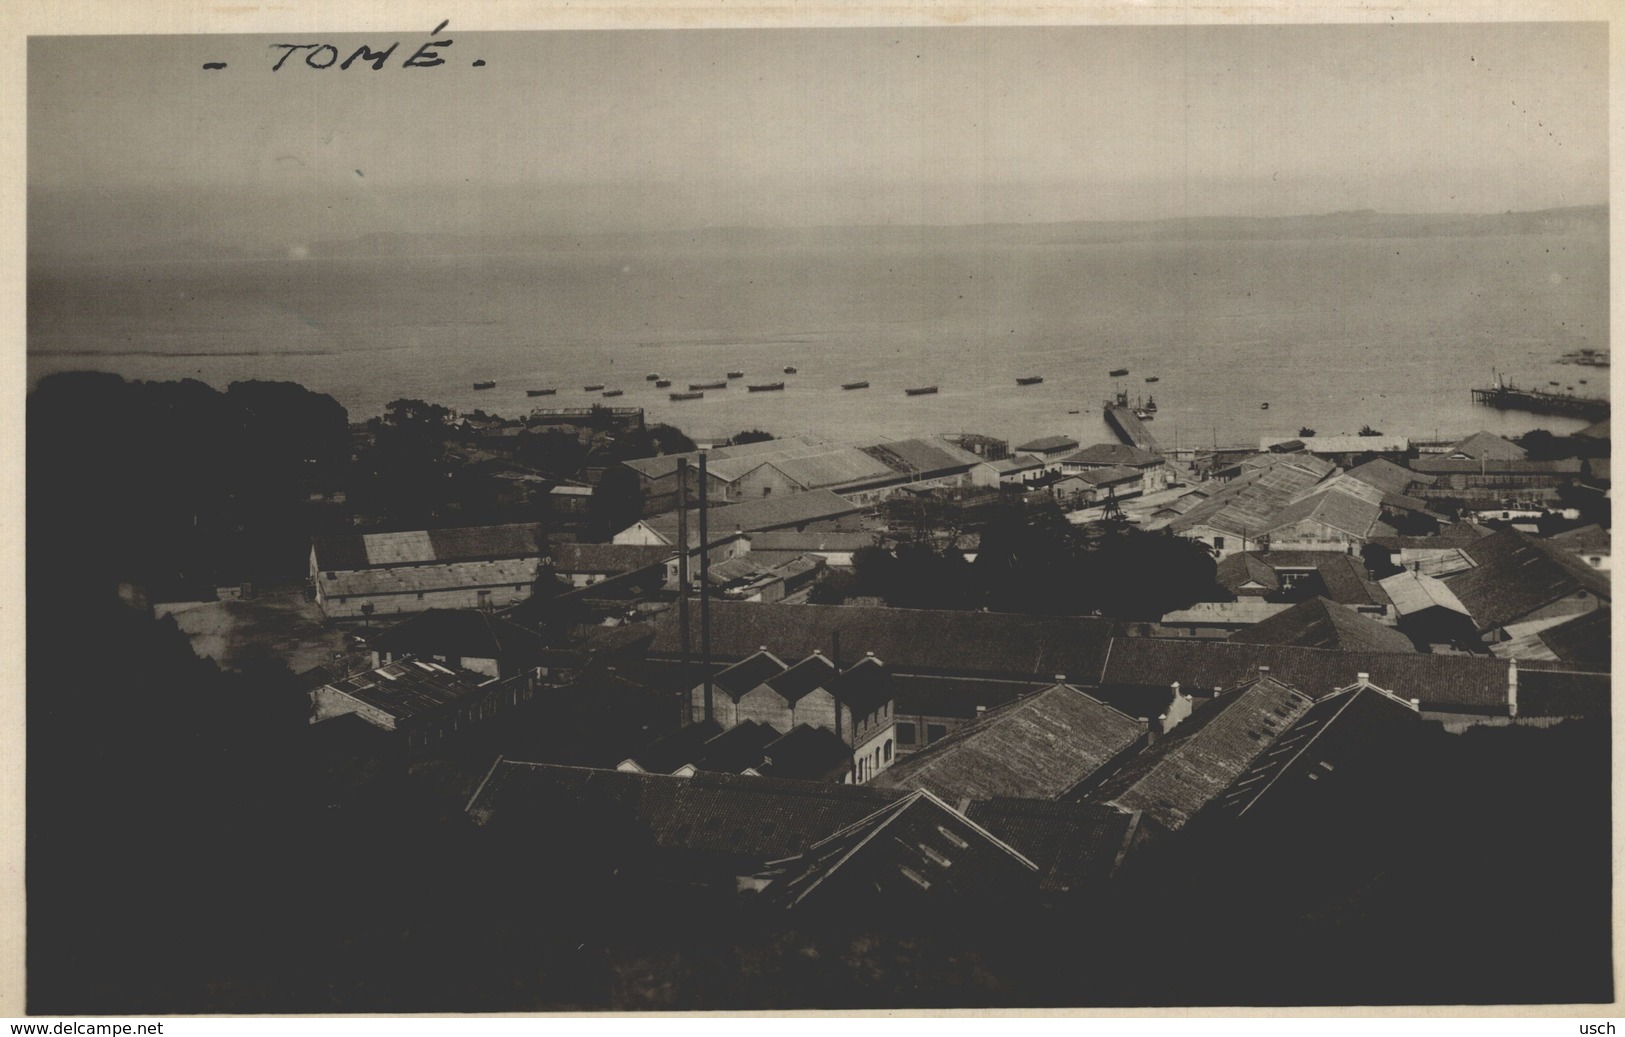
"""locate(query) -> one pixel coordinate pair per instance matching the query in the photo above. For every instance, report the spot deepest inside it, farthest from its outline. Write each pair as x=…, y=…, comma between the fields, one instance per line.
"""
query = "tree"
x=751, y=435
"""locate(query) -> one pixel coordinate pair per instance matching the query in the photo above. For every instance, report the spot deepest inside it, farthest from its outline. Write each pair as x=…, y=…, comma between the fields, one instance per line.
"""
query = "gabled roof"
x=1174, y=779
x=1592, y=539
x=766, y=513
x=1103, y=476
x=803, y=678
x=918, y=846
x=1018, y=463
x=1385, y=475
x=811, y=540
x=422, y=547
x=675, y=748
x=1447, y=682
x=751, y=672
x=921, y=455
x=1454, y=535
x=1515, y=575
x=1338, y=508
x=1347, y=582
x=666, y=464
x=1244, y=568
x=462, y=633
x=1039, y=747
x=736, y=749
x=1361, y=721
x=1583, y=642
x=1048, y=445
x=862, y=688
x=407, y=689
x=1441, y=465
x=1075, y=845
x=913, y=640
x=1246, y=611
x=1413, y=591
x=731, y=816
x=1104, y=454
x=1249, y=503
x=807, y=754
x=1488, y=446
x=1318, y=623
x=1597, y=431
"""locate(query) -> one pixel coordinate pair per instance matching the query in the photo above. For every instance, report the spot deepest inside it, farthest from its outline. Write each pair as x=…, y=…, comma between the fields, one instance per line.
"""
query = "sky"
x=131, y=142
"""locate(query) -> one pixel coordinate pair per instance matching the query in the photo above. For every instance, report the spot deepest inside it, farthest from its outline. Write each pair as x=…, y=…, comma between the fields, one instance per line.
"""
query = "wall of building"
x=723, y=709
x=815, y=709
x=877, y=753
x=766, y=706
x=765, y=480
x=406, y=603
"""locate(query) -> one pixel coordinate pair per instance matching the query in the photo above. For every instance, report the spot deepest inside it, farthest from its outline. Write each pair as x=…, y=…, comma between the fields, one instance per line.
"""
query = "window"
x=1218, y=543
x=934, y=732
x=886, y=750
x=905, y=734
x=420, y=595
x=766, y=490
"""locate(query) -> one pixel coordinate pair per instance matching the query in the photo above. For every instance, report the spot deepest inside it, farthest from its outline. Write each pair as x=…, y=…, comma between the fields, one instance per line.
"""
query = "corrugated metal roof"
x=847, y=465
x=922, y=455
x=1112, y=454
x=1337, y=508
x=419, y=547
x=1412, y=592
x=1048, y=445
x=1515, y=575
x=517, y=572
x=405, y=690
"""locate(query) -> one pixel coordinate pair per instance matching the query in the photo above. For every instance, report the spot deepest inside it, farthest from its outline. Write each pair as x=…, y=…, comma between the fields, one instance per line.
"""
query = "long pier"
x=1130, y=429
x=1537, y=402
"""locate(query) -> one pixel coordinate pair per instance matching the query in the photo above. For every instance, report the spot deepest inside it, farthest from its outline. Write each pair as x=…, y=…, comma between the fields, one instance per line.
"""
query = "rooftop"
x=1105, y=454
x=608, y=558
x=353, y=551
x=1486, y=445
x=461, y=633
x=1319, y=623
x=1515, y=575
x=798, y=681
x=1048, y=445
x=405, y=690
x=750, y=672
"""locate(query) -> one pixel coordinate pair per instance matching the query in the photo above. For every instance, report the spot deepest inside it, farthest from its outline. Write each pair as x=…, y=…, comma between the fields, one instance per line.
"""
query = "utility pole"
x=682, y=562
x=705, y=593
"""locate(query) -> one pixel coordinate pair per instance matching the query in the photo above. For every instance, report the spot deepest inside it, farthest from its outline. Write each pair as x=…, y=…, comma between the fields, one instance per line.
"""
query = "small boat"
x=1152, y=378
x=687, y=395
x=614, y=392
x=493, y=385
x=790, y=370
x=1072, y=412
x=701, y=386
x=1551, y=383
x=540, y=392
x=854, y=385
x=1367, y=430
x=736, y=374
x=1263, y=406
x=663, y=383
x=1306, y=432
x=651, y=378
x=766, y=387
x=1119, y=372
x=592, y=388
x=1030, y=380
x=1151, y=404
x=1582, y=381
x=924, y=390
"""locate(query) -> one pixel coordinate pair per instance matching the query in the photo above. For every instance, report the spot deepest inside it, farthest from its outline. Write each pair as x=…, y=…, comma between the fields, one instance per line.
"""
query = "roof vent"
x=1363, y=678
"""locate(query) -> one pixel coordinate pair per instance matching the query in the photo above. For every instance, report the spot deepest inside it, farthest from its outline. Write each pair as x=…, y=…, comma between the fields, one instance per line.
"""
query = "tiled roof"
x=421, y=547
x=406, y=579
x=910, y=640
x=1347, y=582
x=812, y=540
x=807, y=754
x=1330, y=737
x=608, y=558
x=736, y=749
x=463, y=633
x=1226, y=613
x=1449, y=682
x=1039, y=747
x=1174, y=779
x=1318, y=623
x=918, y=847
x=1104, y=476
x=750, y=672
x=798, y=681
x=1487, y=445
x=1249, y=504
x=1439, y=465
x=405, y=690
x=1515, y=575
x=1592, y=539
x=1385, y=475
x=1584, y=642
x=1338, y=508
x=1245, y=567
x=921, y=695
x=1074, y=844
x=1112, y=454
x=1558, y=693
x=1048, y=445
x=737, y=817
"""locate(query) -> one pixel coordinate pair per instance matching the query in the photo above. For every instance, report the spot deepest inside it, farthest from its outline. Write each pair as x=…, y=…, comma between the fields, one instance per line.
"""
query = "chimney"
x=1150, y=733
x=1416, y=704
x=1060, y=678
x=981, y=710
x=1263, y=671
x=1512, y=688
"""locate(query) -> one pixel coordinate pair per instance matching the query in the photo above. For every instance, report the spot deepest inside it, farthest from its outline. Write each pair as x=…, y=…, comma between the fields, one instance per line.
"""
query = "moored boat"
x=702, y=386
x=485, y=385
x=790, y=370
x=1119, y=372
x=1263, y=406
x=766, y=387
x=736, y=374
x=854, y=385
x=924, y=390
x=687, y=395
x=663, y=383
x=614, y=392
x=540, y=392
x=1030, y=380
x=651, y=378
x=592, y=388
x=1152, y=378
x=1151, y=404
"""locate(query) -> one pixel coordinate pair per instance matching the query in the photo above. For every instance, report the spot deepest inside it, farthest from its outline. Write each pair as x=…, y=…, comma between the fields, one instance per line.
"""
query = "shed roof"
x=1385, y=475
x=766, y=513
x=916, y=456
